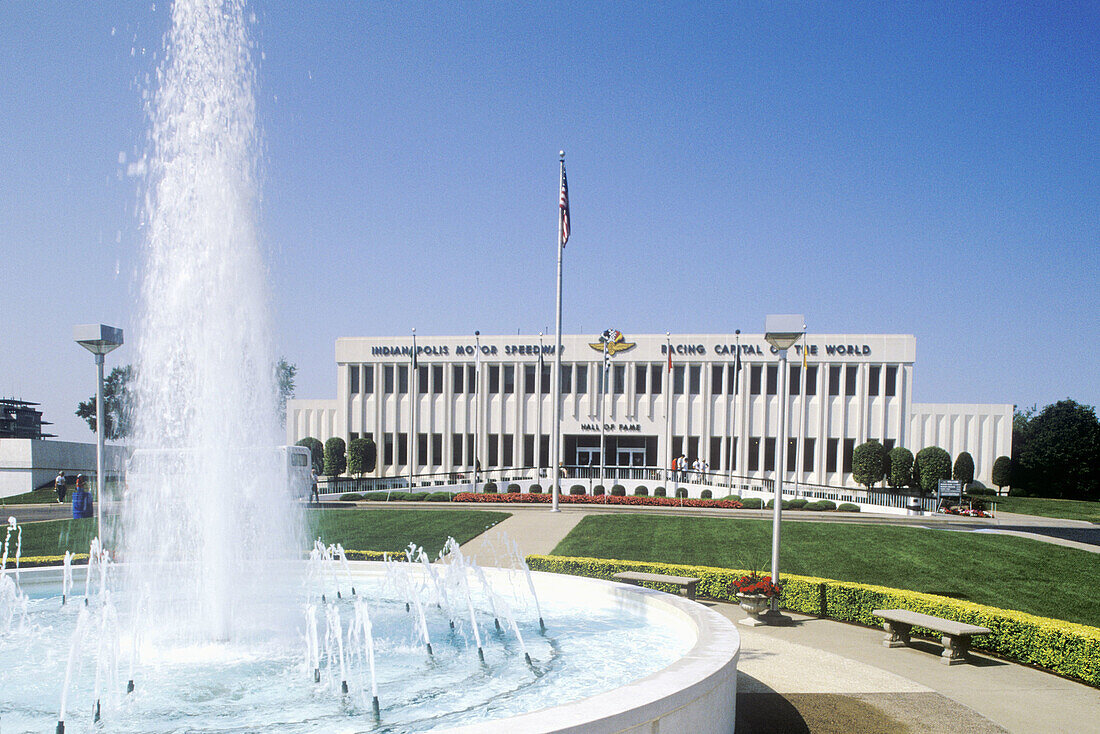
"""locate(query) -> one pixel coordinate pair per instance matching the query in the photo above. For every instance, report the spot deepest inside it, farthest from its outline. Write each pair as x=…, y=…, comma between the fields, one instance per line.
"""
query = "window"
x=402, y=379
x=494, y=378
x=437, y=379
x=470, y=450
x=678, y=379
x=716, y=379
x=695, y=377
x=528, y=449
x=507, y=459
x=387, y=378
x=769, y=453
x=849, y=448
x=566, y=379
x=457, y=380
x=891, y=381
x=494, y=443
x=834, y=379
x=888, y=444
x=677, y=446
x=795, y=378
x=582, y=379
x=733, y=379
x=387, y=450
x=773, y=379
x=437, y=449
x=618, y=385
x=754, y=453
x=421, y=449
x=528, y=379
x=872, y=380
x=353, y=370
x=754, y=379
x=640, y=372
x=456, y=449
x=509, y=379
x=656, y=374
x=471, y=378
x=792, y=454
x=403, y=449
x=830, y=454
x=354, y=435
x=716, y=448
x=544, y=379
x=693, y=448
x=850, y=376
x=368, y=379
x=422, y=379
x=811, y=379
x=808, y=455
x=732, y=457
x=544, y=451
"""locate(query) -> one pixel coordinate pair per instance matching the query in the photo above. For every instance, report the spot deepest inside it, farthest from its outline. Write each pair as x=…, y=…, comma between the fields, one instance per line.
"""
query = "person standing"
x=59, y=486
x=314, y=490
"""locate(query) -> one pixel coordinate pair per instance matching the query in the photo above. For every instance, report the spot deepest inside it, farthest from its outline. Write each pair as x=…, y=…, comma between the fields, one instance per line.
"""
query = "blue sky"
x=927, y=169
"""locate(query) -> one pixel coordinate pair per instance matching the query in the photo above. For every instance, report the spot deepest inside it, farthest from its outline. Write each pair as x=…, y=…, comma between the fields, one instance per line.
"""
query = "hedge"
x=587, y=499
x=1068, y=649
x=752, y=503
x=847, y=507
x=79, y=559
x=351, y=497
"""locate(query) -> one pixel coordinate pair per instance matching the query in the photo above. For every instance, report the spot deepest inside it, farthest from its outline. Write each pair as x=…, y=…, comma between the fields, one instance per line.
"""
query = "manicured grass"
x=393, y=530
x=40, y=496
x=1001, y=571
x=379, y=530
x=1043, y=507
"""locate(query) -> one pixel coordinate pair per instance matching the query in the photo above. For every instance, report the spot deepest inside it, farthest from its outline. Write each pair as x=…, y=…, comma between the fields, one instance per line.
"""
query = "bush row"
x=1068, y=649
x=383, y=496
x=79, y=559
x=596, y=500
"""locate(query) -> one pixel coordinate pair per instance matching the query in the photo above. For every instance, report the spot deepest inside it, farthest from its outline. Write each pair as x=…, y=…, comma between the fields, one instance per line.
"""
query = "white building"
x=854, y=387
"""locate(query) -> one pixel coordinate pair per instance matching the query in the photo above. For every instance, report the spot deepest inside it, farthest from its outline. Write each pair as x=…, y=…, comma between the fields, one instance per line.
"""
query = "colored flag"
x=737, y=368
x=563, y=207
x=670, y=358
x=414, y=353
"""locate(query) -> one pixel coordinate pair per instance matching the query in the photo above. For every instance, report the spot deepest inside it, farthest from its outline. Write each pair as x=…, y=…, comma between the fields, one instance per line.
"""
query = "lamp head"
x=783, y=330
x=98, y=338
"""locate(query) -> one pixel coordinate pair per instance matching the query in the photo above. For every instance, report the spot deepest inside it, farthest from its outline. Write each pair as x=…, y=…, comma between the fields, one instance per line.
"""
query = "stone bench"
x=955, y=639
x=637, y=577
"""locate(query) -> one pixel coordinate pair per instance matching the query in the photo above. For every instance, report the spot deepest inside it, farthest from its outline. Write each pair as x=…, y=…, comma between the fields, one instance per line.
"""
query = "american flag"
x=563, y=205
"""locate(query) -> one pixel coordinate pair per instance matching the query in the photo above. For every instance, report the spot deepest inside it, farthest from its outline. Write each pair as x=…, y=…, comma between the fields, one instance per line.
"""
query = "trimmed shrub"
x=618, y=491
x=901, y=467
x=659, y=492
x=733, y=497
x=785, y=506
x=641, y=491
x=964, y=468
x=577, y=489
x=1065, y=648
x=512, y=488
x=440, y=497
x=362, y=456
x=681, y=493
x=316, y=453
x=752, y=503
x=535, y=489
x=798, y=503
x=868, y=463
x=821, y=505
x=933, y=464
x=1002, y=472
x=706, y=494
x=381, y=495
x=847, y=507
x=416, y=496
x=490, y=488
x=336, y=460
x=597, y=491
x=351, y=497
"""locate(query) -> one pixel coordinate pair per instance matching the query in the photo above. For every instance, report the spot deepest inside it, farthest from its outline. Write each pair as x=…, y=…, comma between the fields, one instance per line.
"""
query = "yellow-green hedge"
x=32, y=561
x=1068, y=649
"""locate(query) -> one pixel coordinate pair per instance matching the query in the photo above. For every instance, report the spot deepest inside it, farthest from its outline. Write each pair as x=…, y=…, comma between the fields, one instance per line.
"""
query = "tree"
x=316, y=453
x=362, y=454
x=336, y=461
x=285, y=373
x=1002, y=473
x=868, y=461
x=934, y=464
x=1059, y=454
x=964, y=468
x=901, y=467
x=117, y=405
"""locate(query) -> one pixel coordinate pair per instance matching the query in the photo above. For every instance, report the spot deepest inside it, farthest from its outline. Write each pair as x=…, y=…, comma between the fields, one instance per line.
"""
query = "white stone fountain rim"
x=709, y=665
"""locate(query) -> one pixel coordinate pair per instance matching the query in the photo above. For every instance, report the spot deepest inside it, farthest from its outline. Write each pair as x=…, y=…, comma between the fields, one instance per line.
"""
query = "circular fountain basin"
x=612, y=658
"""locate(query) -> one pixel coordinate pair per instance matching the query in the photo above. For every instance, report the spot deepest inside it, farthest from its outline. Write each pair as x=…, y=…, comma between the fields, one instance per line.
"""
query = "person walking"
x=59, y=486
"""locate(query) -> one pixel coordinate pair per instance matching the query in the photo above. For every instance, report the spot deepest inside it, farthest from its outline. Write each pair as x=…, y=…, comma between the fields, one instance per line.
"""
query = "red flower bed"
x=582, y=499
x=755, y=584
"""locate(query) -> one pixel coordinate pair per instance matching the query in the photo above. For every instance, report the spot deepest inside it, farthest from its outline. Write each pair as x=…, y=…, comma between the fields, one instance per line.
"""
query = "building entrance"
x=622, y=451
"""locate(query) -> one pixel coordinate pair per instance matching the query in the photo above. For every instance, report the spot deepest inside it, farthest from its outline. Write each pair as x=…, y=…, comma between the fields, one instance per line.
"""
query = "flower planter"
x=756, y=605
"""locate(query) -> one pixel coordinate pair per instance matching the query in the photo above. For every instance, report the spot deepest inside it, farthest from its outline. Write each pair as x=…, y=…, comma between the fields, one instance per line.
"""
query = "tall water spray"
x=207, y=524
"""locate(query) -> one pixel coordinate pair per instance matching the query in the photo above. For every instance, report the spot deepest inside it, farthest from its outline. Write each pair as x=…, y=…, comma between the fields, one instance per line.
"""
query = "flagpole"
x=603, y=392
x=537, y=448
x=414, y=396
x=668, y=408
x=736, y=390
x=477, y=406
x=556, y=450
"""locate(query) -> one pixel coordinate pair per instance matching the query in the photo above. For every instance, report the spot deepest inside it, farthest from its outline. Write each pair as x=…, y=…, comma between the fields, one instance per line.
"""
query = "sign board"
x=951, y=488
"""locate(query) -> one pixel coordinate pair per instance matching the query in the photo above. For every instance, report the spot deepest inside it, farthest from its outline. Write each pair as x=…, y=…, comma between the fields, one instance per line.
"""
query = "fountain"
x=199, y=611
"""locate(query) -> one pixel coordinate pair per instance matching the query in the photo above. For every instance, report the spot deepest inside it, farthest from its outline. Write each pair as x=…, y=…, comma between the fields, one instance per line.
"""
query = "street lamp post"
x=781, y=331
x=99, y=340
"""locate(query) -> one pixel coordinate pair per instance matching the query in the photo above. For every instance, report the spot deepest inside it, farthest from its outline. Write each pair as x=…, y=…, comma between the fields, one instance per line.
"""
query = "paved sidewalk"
x=534, y=532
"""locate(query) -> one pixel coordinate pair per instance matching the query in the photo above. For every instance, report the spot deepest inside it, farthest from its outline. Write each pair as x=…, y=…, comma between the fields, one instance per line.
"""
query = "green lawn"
x=381, y=530
x=1001, y=571
x=1063, y=509
x=39, y=496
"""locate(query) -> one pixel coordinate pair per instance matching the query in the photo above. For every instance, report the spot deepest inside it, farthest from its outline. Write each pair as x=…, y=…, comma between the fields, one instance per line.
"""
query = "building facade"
x=716, y=397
